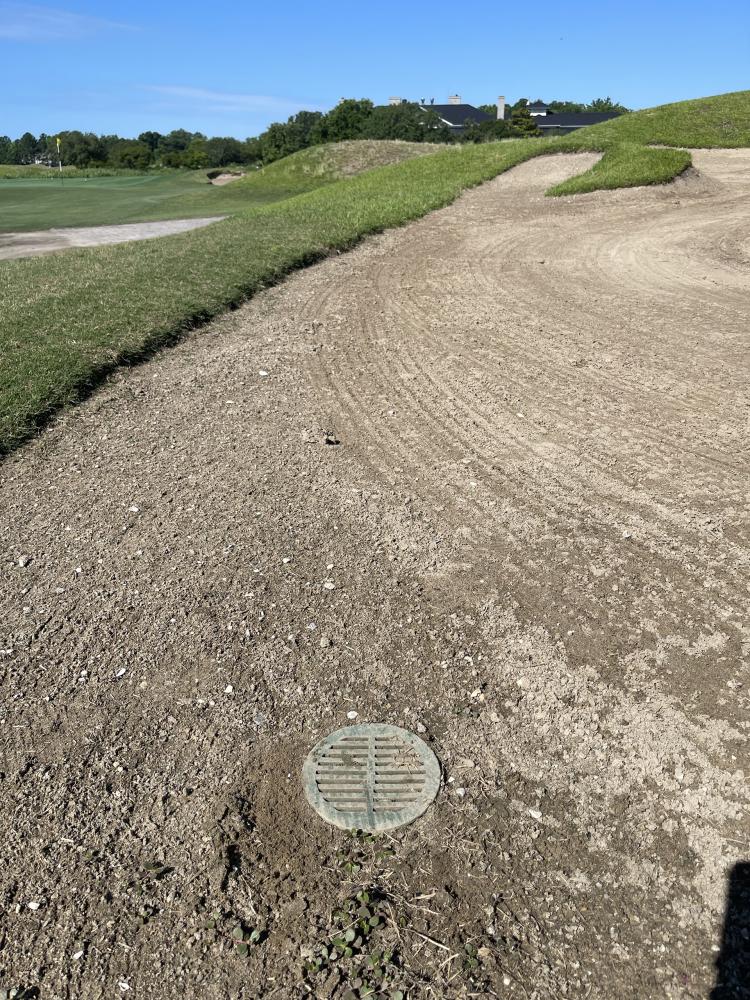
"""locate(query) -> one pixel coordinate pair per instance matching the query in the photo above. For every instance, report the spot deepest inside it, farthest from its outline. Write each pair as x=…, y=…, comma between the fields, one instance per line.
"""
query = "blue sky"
x=232, y=68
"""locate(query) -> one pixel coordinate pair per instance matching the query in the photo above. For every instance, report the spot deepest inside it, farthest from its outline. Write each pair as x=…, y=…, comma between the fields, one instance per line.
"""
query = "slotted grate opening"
x=371, y=777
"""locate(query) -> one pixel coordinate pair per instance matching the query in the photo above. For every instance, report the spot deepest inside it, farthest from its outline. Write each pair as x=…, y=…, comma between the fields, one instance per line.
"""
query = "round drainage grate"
x=371, y=777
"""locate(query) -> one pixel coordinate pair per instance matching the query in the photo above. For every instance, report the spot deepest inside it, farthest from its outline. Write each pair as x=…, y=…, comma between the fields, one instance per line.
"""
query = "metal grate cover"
x=371, y=777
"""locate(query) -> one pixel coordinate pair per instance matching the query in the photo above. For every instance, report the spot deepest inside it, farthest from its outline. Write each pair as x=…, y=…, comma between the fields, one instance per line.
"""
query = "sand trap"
x=14, y=245
x=223, y=179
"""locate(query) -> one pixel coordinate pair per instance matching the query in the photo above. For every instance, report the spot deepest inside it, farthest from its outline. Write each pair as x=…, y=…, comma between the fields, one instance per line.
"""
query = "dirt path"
x=485, y=477
x=15, y=245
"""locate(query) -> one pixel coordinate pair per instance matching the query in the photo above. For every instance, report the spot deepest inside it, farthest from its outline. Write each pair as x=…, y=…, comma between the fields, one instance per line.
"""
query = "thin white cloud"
x=22, y=22
x=222, y=103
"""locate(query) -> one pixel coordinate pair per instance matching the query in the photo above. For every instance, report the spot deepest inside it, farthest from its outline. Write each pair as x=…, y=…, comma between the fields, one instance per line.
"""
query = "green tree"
x=131, y=155
x=405, y=121
x=606, y=104
x=522, y=122
x=6, y=149
x=488, y=131
x=26, y=148
x=176, y=141
x=252, y=151
x=223, y=151
x=566, y=107
x=346, y=121
x=196, y=155
x=151, y=139
x=79, y=149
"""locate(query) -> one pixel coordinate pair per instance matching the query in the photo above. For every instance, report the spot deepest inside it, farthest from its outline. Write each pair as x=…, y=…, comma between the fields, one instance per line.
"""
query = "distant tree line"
x=84, y=149
x=350, y=119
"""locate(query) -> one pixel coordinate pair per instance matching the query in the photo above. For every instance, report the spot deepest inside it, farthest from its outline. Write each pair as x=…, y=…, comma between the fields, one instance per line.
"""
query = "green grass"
x=624, y=164
x=30, y=200
x=705, y=123
x=629, y=143
x=9, y=171
x=67, y=320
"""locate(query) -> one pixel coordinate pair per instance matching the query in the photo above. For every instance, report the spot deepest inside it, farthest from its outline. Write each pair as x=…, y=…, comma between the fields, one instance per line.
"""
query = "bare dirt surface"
x=486, y=478
x=15, y=245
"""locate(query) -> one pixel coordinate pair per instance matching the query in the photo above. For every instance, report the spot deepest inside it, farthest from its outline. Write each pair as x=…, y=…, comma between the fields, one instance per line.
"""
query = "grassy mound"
x=347, y=159
x=706, y=123
x=630, y=143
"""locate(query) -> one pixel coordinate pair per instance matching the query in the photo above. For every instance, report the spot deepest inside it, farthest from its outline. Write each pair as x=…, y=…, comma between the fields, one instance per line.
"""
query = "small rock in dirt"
x=535, y=814
x=325, y=642
x=33, y=905
x=228, y=689
x=329, y=585
x=352, y=715
x=120, y=672
x=24, y=561
x=421, y=728
x=134, y=509
x=263, y=373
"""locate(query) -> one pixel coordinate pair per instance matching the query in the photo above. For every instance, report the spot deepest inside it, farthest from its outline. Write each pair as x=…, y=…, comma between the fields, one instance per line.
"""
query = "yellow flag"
x=58, y=143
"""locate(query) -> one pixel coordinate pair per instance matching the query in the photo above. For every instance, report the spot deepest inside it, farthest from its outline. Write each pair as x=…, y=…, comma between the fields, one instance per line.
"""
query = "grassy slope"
x=34, y=201
x=67, y=319
x=628, y=141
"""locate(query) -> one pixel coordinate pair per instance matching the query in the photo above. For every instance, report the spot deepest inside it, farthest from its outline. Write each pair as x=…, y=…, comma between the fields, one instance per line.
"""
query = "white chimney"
x=500, y=108
x=454, y=99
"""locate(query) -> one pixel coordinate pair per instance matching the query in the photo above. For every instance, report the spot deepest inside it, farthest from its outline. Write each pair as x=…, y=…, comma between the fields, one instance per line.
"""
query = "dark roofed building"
x=456, y=115
x=552, y=123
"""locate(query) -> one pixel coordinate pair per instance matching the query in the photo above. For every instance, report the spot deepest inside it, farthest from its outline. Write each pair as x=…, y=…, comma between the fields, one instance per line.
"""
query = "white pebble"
x=351, y=715
x=228, y=689
x=535, y=814
x=329, y=584
x=33, y=906
x=120, y=672
x=262, y=373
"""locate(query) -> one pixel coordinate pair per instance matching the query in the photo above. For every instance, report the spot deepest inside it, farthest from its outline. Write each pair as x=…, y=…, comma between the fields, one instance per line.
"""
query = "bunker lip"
x=16, y=245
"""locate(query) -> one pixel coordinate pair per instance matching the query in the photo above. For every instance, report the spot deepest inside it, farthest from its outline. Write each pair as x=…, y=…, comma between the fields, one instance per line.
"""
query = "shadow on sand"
x=733, y=962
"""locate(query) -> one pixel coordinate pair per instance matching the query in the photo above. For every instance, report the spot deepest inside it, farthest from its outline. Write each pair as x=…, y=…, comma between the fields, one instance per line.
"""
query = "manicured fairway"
x=44, y=203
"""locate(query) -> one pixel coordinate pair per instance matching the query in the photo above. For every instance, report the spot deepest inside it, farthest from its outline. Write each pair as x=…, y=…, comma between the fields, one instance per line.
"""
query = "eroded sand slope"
x=530, y=541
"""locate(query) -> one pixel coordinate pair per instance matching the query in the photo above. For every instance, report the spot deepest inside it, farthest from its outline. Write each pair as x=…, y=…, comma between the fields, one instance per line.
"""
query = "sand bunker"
x=14, y=245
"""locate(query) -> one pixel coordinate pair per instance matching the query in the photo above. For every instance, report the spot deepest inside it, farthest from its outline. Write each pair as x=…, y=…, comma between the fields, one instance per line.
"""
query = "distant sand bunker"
x=221, y=179
x=14, y=245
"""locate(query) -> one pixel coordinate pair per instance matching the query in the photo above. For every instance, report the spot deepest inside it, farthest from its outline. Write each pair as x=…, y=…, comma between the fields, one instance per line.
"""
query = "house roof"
x=575, y=119
x=458, y=114
x=538, y=106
